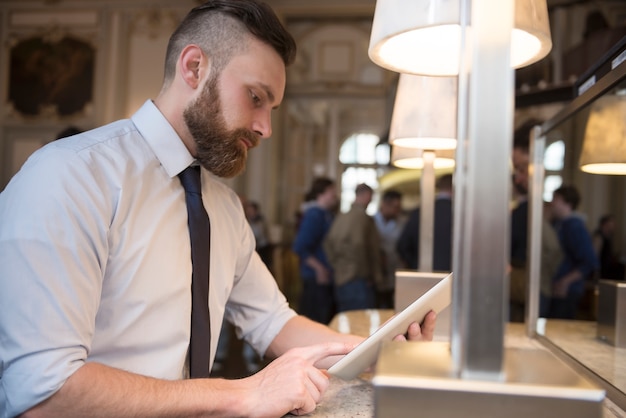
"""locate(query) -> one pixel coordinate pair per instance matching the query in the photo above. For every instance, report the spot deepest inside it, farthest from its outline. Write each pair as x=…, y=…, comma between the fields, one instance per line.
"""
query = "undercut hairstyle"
x=220, y=29
x=521, y=136
x=569, y=194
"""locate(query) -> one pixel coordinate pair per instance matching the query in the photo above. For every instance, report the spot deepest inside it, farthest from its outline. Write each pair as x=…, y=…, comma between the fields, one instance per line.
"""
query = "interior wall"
x=128, y=41
x=333, y=88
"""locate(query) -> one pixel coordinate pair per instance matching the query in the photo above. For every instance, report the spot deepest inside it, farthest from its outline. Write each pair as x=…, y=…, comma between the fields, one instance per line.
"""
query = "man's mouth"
x=246, y=143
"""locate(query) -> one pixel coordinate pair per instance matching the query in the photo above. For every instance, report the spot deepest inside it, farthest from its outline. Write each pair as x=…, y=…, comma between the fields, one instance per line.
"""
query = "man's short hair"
x=569, y=194
x=68, y=131
x=391, y=195
x=220, y=28
x=318, y=187
x=363, y=188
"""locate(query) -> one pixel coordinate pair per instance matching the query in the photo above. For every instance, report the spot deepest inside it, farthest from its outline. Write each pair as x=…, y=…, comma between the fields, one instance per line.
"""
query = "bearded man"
x=95, y=266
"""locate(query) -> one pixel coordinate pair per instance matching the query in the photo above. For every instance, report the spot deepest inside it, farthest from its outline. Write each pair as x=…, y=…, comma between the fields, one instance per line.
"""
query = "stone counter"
x=355, y=398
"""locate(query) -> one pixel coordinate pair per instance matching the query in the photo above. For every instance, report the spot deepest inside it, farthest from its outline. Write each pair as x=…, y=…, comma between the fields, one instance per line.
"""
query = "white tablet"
x=365, y=354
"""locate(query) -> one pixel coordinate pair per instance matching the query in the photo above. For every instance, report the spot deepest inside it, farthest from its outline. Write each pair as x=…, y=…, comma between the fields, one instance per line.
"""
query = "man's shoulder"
x=221, y=191
x=356, y=214
x=88, y=153
x=574, y=222
x=316, y=212
x=109, y=135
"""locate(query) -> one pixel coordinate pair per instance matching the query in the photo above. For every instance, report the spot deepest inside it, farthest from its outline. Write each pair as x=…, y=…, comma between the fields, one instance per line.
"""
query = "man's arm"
x=100, y=391
x=579, y=247
x=290, y=383
x=301, y=331
x=322, y=275
x=306, y=240
x=561, y=286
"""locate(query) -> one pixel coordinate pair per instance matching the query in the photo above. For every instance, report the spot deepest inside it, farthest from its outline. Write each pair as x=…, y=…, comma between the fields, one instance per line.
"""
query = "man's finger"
x=318, y=382
x=427, y=330
x=414, y=332
x=314, y=353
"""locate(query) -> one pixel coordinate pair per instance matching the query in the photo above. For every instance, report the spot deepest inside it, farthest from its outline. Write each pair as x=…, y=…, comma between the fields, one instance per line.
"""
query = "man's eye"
x=255, y=99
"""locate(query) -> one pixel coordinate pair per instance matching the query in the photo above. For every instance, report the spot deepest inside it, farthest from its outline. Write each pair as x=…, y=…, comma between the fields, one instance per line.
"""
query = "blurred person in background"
x=579, y=260
x=317, y=297
x=390, y=222
x=353, y=249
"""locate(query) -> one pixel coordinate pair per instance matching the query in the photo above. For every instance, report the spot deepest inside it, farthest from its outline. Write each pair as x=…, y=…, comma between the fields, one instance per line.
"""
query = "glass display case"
x=579, y=341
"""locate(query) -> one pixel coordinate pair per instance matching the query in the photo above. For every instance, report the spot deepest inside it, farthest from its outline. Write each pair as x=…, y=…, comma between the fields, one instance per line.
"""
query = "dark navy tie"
x=200, y=234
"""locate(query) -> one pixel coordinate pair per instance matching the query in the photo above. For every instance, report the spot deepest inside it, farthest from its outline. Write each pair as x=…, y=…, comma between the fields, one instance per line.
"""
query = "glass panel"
x=550, y=184
x=348, y=151
x=553, y=158
x=359, y=149
x=353, y=176
x=600, y=194
x=383, y=154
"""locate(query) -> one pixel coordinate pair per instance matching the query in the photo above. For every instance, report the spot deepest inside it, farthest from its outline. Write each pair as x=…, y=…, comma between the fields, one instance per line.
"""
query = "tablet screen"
x=365, y=354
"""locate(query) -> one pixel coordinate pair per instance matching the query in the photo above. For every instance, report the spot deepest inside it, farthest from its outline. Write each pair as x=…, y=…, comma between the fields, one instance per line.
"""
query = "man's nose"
x=263, y=124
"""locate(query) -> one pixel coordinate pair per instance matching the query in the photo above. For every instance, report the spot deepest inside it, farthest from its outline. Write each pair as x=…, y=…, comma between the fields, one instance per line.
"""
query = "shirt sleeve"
x=52, y=252
x=256, y=306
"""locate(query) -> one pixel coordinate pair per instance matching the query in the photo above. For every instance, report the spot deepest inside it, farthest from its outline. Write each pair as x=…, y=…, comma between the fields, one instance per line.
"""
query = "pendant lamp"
x=430, y=30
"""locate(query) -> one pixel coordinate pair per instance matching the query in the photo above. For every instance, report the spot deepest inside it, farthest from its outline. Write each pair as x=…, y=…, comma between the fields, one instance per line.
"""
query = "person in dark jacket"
x=408, y=243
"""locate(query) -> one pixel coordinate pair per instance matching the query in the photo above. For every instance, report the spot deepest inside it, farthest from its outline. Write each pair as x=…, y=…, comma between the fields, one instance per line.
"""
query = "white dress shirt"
x=95, y=262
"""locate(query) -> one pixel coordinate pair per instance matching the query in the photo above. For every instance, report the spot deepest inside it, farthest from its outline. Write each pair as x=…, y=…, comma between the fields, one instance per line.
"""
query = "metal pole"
x=481, y=285
x=427, y=212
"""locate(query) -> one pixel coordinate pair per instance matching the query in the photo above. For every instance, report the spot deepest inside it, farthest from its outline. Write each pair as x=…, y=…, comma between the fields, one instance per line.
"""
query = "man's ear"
x=192, y=65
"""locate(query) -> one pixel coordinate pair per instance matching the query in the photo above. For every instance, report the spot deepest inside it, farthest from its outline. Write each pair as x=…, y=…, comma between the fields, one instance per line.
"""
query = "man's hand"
x=291, y=383
x=322, y=276
x=425, y=332
x=560, y=288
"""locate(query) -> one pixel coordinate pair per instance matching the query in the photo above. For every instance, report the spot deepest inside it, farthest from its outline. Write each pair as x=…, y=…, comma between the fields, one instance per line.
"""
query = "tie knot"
x=190, y=179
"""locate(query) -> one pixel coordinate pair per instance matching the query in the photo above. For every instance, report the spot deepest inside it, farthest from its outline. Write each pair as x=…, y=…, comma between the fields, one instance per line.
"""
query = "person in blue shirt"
x=95, y=256
x=579, y=259
x=316, y=300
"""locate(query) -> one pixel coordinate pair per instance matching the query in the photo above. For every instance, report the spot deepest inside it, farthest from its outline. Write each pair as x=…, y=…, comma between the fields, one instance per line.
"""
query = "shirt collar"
x=162, y=138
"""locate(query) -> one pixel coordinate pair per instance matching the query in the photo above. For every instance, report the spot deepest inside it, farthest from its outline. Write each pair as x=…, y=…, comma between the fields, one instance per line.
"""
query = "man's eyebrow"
x=270, y=94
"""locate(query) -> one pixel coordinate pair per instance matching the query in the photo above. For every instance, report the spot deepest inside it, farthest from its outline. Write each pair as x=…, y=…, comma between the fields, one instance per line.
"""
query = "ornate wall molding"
x=154, y=22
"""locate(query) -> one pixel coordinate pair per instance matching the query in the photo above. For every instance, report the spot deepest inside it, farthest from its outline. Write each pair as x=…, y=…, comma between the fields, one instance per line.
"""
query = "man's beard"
x=219, y=149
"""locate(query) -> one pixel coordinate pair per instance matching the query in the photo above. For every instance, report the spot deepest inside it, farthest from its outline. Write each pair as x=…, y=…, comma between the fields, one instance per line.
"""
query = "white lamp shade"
x=423, y=36
x=424, y=113
x=604, y=146
x=404, y=157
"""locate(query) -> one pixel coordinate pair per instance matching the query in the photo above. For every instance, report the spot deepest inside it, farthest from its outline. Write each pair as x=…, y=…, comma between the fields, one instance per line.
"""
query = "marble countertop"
x=355, y=398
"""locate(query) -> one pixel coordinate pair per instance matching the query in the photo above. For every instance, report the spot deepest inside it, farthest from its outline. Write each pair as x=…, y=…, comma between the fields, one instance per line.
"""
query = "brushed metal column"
x=427, y=213
x=482, y=180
